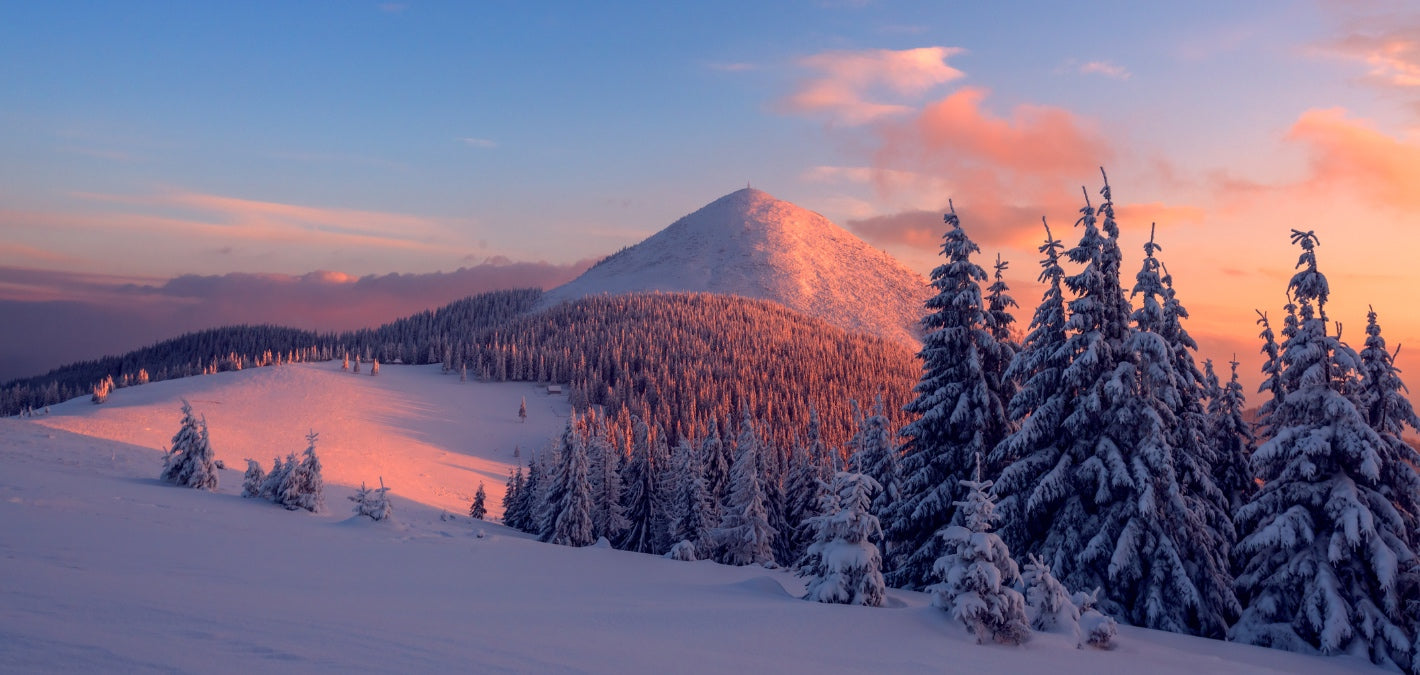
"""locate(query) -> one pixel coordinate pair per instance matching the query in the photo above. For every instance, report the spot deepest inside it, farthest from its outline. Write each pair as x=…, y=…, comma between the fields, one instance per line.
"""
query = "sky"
x=149, y=150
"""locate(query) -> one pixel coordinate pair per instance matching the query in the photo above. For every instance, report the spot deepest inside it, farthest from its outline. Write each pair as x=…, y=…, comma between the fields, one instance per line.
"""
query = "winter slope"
x=430, y=436
x=104, y=569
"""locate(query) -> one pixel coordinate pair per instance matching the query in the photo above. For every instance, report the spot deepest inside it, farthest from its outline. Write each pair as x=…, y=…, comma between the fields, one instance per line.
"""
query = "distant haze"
x=80, y=317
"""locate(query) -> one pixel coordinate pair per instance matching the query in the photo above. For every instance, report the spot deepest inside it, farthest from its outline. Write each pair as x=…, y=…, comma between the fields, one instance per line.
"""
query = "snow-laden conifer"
x=1325, y=546
x=1000, y=322
x=1049, y=606
x=478, y=508
x=689, y=506
x=976, y=574
x=604, y=474
x=875, y=456
x=1231, y=437
x=373, y=503
x=511, y=492
x=961, y=414
x=644, y=493
x=803, y=491
x=717, y=468
x=303, y=487
x=1035, y=473
x=252, y=479
x=744, y=536
x=189, y=461
x=571, y=496
x=843, y=564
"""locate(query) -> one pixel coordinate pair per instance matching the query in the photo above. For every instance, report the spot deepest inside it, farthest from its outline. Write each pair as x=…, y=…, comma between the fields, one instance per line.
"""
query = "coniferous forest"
x=1082, y=467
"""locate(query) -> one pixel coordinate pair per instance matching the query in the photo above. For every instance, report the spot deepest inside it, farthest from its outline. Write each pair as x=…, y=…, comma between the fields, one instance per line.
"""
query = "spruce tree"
x=717, y=469
x=961, y=414
x=875, y=456
x=690, y=503
x=608, y=514
x=189, y=461
x=303, y=487
x=1035, y=467
x=1231, y=437
x=745, y=536
x=645, y=508
x=252, y=479
x=511, y=493
x=843, y=564
x=803, y=491
x=477, y=510
x=1000, y=322
x=1324, y=547
x=571, y=497
x=977, y=575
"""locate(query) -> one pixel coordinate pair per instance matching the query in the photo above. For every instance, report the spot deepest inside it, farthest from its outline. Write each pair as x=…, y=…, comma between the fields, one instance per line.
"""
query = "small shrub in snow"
x=843, y=564
x=684, y=550
x=1097, y=628
x=273, y=480
x=977, y=573
x=373, y=504
x=189, y=460
x=252, y=480
x=302, y=487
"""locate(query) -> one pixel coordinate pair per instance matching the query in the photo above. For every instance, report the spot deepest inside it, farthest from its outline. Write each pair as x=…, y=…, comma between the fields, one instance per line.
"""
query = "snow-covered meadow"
x=105, y=569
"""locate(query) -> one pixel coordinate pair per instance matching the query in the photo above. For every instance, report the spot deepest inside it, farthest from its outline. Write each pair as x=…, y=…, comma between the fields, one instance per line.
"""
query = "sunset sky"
x=141, y=141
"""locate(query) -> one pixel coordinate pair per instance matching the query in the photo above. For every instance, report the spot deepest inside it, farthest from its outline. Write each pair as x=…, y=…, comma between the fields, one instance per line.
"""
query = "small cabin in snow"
x=554, y=390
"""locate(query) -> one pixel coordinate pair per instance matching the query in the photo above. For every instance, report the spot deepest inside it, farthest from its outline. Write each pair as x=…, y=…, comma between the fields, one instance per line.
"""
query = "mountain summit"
x=750, y=244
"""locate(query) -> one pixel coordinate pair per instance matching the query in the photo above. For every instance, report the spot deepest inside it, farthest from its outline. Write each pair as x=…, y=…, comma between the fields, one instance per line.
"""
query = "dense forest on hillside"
x=672, y=359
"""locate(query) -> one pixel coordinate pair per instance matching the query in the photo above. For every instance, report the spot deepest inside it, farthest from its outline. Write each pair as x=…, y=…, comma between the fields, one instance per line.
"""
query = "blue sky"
x=150, y=139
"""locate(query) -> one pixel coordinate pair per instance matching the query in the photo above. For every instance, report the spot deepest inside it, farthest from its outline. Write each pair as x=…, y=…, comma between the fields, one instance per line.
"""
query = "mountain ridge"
x=751, y=244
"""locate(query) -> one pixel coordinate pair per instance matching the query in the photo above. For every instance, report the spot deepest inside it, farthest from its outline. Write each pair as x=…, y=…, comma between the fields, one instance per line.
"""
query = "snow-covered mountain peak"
x=750, y=244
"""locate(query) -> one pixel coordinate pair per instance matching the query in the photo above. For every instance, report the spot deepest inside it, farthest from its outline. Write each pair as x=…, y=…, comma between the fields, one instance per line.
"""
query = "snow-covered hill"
x=748, y=243
x=105, y=569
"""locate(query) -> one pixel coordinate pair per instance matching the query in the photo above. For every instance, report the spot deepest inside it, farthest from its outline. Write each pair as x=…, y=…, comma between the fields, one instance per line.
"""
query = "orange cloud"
x=1350, y=153
x=1393, y=55
x=847, y=80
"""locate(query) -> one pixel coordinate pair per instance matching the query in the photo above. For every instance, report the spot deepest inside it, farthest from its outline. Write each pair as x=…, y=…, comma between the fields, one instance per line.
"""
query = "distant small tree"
x=303, y=487
x=375, y=367
x=523, y=410
x=357, y=365
x=189, y=461
x=477, y=510
x=345, y=364
x=252, y=479
x=102, y=389
x=373, y=504
x=463, y=372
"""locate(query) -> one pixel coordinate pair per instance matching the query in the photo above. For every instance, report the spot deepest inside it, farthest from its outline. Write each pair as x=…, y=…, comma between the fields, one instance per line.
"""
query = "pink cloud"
x=847, y=82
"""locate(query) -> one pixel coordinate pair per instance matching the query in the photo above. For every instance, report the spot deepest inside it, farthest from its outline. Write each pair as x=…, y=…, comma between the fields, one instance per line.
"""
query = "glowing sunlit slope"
x=750, y=244
x=430, y=436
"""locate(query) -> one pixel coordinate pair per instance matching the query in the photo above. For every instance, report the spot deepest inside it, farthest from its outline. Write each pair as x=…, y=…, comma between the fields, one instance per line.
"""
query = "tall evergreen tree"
x=745, y=536
x=1324, y=545
x=571, y=497
x=303, y=487
x=608, y=514
x=1036, y=468
x=1000, y=322
x=645, y=508
x=961, y=415
x=478, y=508
x=803, y=491
x=1272, y=376
x=717, y=469
x=690, y=504
x=875, y=456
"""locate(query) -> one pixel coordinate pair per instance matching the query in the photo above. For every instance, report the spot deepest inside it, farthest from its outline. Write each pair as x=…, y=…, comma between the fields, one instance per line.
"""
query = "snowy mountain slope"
x=430, y=436
x=749, y=243
x=107, y=570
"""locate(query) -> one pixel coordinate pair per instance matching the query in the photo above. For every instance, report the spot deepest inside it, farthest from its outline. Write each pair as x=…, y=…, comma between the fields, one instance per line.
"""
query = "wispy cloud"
x=478, y=142
x=858, y=87
x=1392, y=56
x=1106, y=69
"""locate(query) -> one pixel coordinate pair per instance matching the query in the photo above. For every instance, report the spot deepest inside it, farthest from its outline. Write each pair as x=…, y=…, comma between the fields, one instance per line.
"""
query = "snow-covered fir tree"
x=189, y=461
x=1037, y=448
x=571, y=496
x=644, y=493
x=1000, y=322
x=744, y=536
x=717, y=468
x=526, y=508
x=523, y=409
x=1324, y=545
x=961, y=414
x=252, y=479
x=690, y=504
x=373, y=503
x=843, y=564
x=303, y=487
x=478, y=509
x=976, y=574
x=272, y=482
x=1231, y=437
x=511, y=491
x=1049, y=606
x=804, y=489
x=875, y=455
x=608, y=514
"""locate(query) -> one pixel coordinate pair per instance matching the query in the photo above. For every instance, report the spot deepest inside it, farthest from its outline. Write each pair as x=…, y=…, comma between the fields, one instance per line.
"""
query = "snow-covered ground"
x=104, y=569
